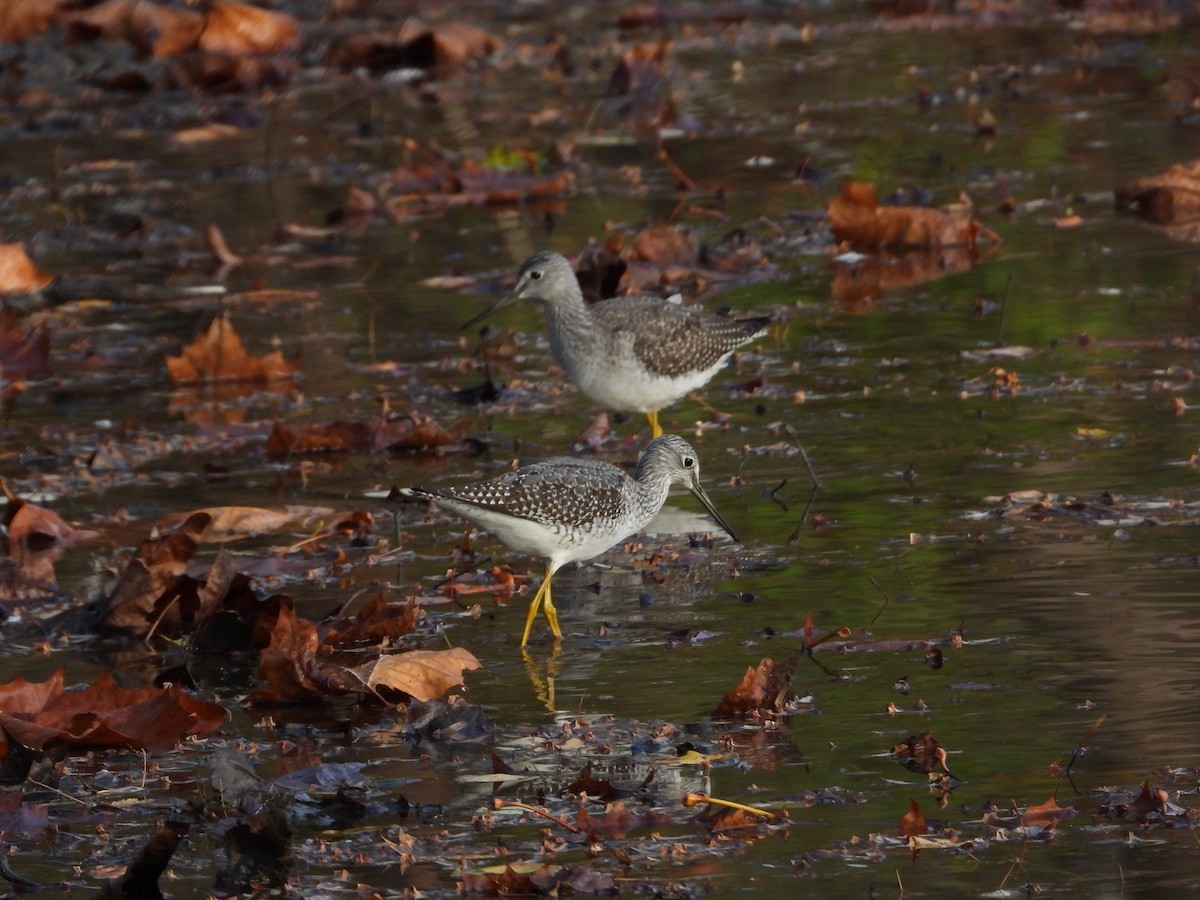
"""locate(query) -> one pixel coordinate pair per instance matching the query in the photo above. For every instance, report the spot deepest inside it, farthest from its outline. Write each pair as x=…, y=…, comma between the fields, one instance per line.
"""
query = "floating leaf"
x=18, y=273
x=218, y=355
x=764, y=688
x=860, y=221
x=423, y=674
x=103, y=715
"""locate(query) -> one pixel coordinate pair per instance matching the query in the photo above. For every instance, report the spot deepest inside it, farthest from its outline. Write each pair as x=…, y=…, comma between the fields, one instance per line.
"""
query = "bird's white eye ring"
x=536, y=274
x=688, y=462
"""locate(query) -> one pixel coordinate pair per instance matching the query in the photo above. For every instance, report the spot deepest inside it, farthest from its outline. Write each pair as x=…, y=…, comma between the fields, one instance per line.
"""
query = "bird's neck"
x=569, y=322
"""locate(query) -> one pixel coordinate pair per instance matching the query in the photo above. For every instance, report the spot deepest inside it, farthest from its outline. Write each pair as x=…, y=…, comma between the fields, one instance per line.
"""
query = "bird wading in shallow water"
x=568, y=510
x=631, y=354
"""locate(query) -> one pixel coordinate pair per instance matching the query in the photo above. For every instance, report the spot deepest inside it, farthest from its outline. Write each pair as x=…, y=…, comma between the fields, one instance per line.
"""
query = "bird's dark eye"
x=688, y=462
x=535, y=274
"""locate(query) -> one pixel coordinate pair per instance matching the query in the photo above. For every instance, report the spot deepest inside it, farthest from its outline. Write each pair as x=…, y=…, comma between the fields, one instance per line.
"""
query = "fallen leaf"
x=1169, y=199
x=151, y=28
x=288, y=661
x=913, y=821
x=423, y=674
x=376, y=622
x=103, y=715
x=860, y=221
x=414, y=44
x=152, y=580
x=661, y=243
x=1046, y=814
x=18, y=273
x=37, y=538
x=920, y=753
x=412, y=432
x=20, y=19
x=218, y=355
x=235, y=29
x=764, y=688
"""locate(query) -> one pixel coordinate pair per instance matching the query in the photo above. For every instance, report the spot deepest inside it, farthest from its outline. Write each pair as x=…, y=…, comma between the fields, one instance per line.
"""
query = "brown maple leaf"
x=152, y=580
x=103, y=715
x=218, y=355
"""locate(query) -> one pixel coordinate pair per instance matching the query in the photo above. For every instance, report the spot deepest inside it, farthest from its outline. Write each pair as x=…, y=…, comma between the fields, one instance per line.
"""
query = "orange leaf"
x=859, y=220
x=103, y=715
x=1047, y=814
x=21, y=18
x=234, y=29
x=913, y=821
x=422, y=674
x=18, y=274
x=218, y=355
x=764, y=687
x=150, y=27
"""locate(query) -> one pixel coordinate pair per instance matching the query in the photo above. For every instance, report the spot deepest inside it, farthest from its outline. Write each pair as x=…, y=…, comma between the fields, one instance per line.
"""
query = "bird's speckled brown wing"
x=672, y=340
x=568, y=492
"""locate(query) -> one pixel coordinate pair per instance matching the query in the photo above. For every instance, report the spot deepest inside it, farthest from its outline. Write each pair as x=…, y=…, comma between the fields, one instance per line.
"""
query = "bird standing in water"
x=567, y=510
x=630, y=354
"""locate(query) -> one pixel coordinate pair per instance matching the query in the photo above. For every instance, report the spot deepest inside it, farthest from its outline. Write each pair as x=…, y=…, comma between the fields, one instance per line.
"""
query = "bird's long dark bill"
x=712, y=510
x=498, y=305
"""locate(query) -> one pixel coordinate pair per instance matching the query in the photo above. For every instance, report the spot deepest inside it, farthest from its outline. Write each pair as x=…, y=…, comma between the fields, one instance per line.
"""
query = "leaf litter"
x=160, y=594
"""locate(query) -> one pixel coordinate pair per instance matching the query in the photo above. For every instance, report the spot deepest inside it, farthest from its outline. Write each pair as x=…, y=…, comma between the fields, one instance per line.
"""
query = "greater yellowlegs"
x=632, y=354
x=566, y=510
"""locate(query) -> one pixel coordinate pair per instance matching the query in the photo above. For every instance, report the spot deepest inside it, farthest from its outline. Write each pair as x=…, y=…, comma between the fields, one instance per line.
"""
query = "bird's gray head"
x=546, y=277
x=672, y=458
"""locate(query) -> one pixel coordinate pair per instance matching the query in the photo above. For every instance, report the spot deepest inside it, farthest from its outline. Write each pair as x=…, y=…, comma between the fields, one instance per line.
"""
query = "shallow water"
x=1064, y=620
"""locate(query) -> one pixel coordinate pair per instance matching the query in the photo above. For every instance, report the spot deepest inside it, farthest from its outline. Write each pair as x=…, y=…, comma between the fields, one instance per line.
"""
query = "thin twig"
x=886, y=599
x=497, y=803
x=664, y=157
x=1004, y=308
x=791, y=432
x=55, y=790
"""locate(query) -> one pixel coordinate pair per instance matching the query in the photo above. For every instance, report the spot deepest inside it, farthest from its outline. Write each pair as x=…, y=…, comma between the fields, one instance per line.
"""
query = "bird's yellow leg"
x=551, y=613
x=655, y=429
x=533, y=608
x=542, y=598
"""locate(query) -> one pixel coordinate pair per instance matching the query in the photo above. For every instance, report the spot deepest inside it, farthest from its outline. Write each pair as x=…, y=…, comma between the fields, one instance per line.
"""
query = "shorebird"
x=631, y=354
x=567, y=510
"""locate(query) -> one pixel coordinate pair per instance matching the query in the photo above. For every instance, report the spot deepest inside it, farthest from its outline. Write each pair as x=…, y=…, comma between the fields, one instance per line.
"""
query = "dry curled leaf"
x=913, y=821
x=764, y=689
x=102, y=716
